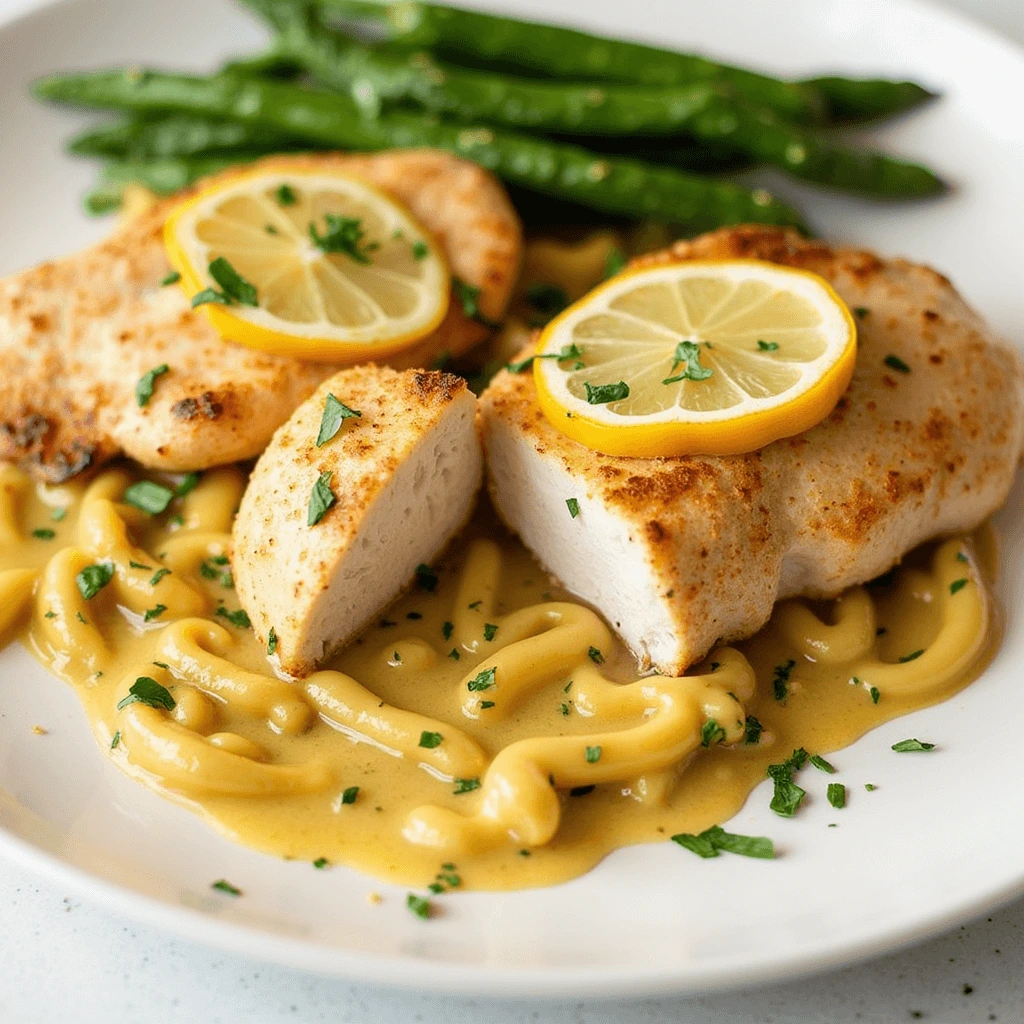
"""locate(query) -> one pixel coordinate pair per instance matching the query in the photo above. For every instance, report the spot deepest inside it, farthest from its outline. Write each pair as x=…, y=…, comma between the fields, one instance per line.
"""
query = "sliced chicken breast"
x=679, y=553
x=78, y=333
x=402, y=477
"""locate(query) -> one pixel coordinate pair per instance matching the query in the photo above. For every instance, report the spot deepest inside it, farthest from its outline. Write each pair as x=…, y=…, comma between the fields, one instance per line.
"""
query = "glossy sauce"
x=273, y=763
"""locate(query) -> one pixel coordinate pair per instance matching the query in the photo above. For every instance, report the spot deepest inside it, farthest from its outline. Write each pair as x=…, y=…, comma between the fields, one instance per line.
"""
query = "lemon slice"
x=341, y=272
x=696, y=358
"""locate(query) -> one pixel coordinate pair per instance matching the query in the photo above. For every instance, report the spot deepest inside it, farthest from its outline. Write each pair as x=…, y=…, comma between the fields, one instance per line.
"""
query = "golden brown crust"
x=903, y=457
x=76, y=334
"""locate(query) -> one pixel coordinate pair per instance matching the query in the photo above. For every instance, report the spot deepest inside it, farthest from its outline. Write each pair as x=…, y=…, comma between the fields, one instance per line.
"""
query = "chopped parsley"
x=484, y=704
x=158, y=576
x=286, y=195
x=711, y=732
x=714, y=840
x=752, y=730
x=420, y=250
x=44, y=534
x=426, y=578
x=149, y=497
x=465, y=786
x=957, y=585
x=50, y=615
x=145, y=384
x=688, y=353
x=870, y=787
x=320, y=863
x=822, y=765
x=149, y=692
x=473, y=605
x=875, y=694
x=961, y=557
x=234, y=287
x=172, y=278
x=446, y=630
x=419, y=905
x=469, y=298
x=860, y=312
x=767, y=346
x=320, y=499
x=490, y=630
x=911, y=656
x=57, y=514
x=350, y=795
x=429, y=740
x=187, y=484
x=911, y=746
x=116, y=740
x=895, y=363
x=780, y=680
x=837, y=795
x=344, y=235
x=602, y=394
x=788, y=795
x=454, y=654
x=335, y=414
x=483, y=681
x=154, y=613
x=595, y=655
x=237, y=618
x=565, y=708
x=93, y=578
x=593, y=755
x=224, y=886
x=573, y=506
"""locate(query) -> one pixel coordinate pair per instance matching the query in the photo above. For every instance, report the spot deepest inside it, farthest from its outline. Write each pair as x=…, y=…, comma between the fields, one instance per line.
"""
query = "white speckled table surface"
x=64, y=960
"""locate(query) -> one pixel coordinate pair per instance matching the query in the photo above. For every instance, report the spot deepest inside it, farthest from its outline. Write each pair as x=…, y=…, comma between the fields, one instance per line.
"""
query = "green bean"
x=702, y=110
x=854, y=99
x=614, y=185
x=372, y=75
x=160, y=176
x=178, y=135
x=564, y=53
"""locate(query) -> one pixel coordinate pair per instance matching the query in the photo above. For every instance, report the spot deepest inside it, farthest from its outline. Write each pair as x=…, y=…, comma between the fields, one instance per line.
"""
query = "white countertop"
x=64, y=960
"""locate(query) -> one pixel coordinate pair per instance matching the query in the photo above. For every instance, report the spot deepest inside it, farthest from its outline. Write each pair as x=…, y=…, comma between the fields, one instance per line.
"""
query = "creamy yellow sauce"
x=274, y=763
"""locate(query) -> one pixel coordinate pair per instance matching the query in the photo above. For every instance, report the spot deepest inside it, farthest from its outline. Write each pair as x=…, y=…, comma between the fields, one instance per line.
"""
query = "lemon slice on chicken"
x=315, y=265
x=696, y=358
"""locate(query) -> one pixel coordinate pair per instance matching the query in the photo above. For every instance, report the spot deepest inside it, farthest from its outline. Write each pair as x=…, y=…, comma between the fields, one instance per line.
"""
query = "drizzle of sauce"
x=491, y=722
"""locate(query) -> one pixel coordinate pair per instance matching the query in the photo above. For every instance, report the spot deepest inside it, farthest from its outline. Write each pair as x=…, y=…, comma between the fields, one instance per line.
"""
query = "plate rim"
x=407, y=973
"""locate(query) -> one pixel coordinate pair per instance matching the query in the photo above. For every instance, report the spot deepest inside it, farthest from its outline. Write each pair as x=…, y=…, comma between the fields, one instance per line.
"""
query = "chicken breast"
x=76, y=334
x=404, y=474
x=679, y=553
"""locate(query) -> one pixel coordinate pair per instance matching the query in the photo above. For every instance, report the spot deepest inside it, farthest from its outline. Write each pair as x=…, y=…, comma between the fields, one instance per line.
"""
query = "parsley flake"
x=957, y=585
x=320, y=499
x=895, y=363
x=822, y=765
x=614, y=262
x=426, y=578
x=912, y=656
x=115, y=742
x=688, y=354
x=574, y=507
x=149, y=692
x=335, y=414
x=912, y=746
x=711, y=732
x=788, y=795
x=158, y=576
x=154, y=613
x=714, y=840
x=602, y=394
x=172, y=278
x=429, y=740
x=837, y=795
x=469, y=296
x=767, y=346
x=420, y=250
x=237, y=618
x=93, y=578
x=419, y=905
x=320, y=863
x=286, y=195
x=350, y=795
x=482, y=681
x=344, y=235
x=875, y=694
x=752, y=730
x=234, y=287
x=595, y=655
x=465, y=786
x=593, y=755
x=226, y=887
x=44, y=534
x=146, y=383
x=149, y=497
x=187, y=484
x=490, y=630
x=780, y=680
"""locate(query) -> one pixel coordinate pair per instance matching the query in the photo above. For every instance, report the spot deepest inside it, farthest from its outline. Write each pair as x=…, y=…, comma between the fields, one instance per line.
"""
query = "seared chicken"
x=76, y=334
x=404, y=475
x=678, y=553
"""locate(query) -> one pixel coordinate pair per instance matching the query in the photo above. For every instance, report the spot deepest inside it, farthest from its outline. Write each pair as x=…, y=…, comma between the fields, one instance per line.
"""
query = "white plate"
x=940, y=840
